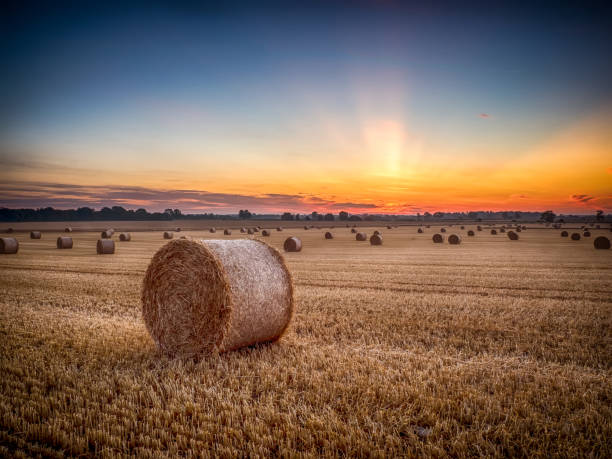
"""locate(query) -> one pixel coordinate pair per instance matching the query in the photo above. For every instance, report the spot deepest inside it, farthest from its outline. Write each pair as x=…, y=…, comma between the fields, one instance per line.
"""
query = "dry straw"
x=201, y=297
x=329, y=235
x=126, y=237
x=454, y=239
x=564, y=234
x=361, y=236
x=64, y=242
x=292, y=244
x=601, y=243
x=227, y=232
x=9, y=245
x=105, y=246
x=512, y=236
x=168, y=235
x=438, y=238
x=35, y=234
x=575, y=236
x=376, y=239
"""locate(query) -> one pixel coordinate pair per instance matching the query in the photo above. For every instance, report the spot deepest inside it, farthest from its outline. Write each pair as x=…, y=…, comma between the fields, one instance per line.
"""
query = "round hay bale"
x=305, y=227
x=388, y=227
x=35, y=234
x=518, y=229
x=523, y=227
x=601, y=243
x=420, y=230
x=125, y=237
x=427, y=226
x=250, y=231
x=493, y=231
x=329, y=235
x=587, y=234
x=10, y=231
x=202, y=297
x=243, y=230
x=443, y=230
x=279, y=228
x=479, y=228
x=9, y=245
x=575, y=236
x=227, y=232
x=512, y=236
x=502, y=230
x=177, y=229
x=454, y=239
x=265, y=233
x=105, y=247
x=292, y=244
x=564, y=234
x=106, y=234
x=376, y=239
x=256, y=229
x=598, y=227
x=462, y=227
x=470, y=233
x=213, y=230
x=361, y=236
x=168, y=235
x=68, y=230
x=64, y=242
x=353, y=230
x=438, y=238
x=376, y=232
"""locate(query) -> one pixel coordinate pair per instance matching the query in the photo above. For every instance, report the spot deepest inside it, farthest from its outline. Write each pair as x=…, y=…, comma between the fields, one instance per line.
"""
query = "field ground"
x=492, y=347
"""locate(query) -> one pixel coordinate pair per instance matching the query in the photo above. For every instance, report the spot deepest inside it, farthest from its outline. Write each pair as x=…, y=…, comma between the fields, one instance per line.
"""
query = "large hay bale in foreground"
x=265, y=233
x=601, y=243
x=35, y=234
x=125, y=237
x=227, y=232
x=470, y=233
x=64, y=242
x=512, y=236
x=587, y=234
x=420, y=230
x=329, y=235
x=376, y=239
x=107, y=234
x=564, y=234
x=454, y=239
x=168, y=235
x=292, y=244
x=200, y=297
x=9, y=245
x=437, y=238
x=105, y=247
x=575, y=236
x=361, y=236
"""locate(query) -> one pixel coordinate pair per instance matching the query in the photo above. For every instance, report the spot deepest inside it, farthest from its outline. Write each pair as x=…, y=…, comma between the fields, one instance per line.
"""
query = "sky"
x=364, y=106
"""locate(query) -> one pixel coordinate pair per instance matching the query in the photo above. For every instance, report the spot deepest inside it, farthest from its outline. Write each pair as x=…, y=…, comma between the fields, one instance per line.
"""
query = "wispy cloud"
x=582, y=197
x=484, y=115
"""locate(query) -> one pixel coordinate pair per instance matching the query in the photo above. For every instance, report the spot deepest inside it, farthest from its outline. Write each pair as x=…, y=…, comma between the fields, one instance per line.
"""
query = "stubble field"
x=493, y=347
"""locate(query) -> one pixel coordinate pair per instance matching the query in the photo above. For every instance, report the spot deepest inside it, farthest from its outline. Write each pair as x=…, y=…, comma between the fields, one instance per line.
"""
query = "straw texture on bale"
x=361, y=236
x=107, y=234
x=353, y=230
x=512, y=236
x=168, y=235
x=587, y=234
x=201, y=297
x=105, y=246
x=420, y=230
x=265, y=233
x=64, y=242
x=292, y=244
x=68, y=230
x=564, y=234
x=213, y=230
x=493, y=231
x=9, y=245
x=35, y=234
x=470, y=233
x=438, y=238
x=125, y=237
x=443, y=230
x=575, y=236
x=454, y=239
x=227, y=232
x=601, y=243
x=329, y=235
x=376, y=239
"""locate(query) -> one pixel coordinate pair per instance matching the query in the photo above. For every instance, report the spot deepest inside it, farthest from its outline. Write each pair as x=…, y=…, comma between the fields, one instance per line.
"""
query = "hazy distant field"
x=492, y=347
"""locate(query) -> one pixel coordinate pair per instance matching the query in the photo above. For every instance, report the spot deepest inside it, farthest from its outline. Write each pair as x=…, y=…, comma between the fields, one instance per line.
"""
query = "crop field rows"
x=491, y=347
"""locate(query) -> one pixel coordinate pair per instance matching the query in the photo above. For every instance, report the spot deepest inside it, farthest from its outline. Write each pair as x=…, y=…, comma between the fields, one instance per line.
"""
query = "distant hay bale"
x=279, y=228
x=479, y=228
x=265, y=233
x=305, y=227
x=9, y=230
x=443, y=230
x=9, y=245
x=587, y=234
x=64, y=242
x=598, y=227
x=243, y=230
x=470, y=233
x=420, y=230
x=376, y=239
x=437, y=238
x=376, y=232
x=107, y=234
x=177, y=229
x=68, y=229
x=523, y=227
x=601, y=243
x=329, y=235
x=250, y=231
x=292, y=244
x=227, y=232
x=213, y=230
x=35, y=234
x=502, y=230
x=201, y=297
x=462, y=227
x=575, y=236
x=564, y=234
x=256, y=229
x=125, y=237
x=518, y=229
x=353, y=230
x=168, y=235
x=388, y=227
x=512, y=236
x=454, y=239
x=361, y=236
x=105, y=247
x=493, y=231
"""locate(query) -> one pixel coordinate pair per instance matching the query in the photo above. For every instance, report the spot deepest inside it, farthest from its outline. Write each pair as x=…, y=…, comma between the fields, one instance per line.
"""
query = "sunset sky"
x=379, y=107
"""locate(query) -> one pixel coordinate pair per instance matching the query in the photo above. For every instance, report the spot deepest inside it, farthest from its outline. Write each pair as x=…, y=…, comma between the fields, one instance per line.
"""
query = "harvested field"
x=491, y=347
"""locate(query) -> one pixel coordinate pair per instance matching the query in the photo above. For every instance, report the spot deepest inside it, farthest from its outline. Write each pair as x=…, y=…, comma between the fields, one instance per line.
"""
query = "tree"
x=343, y=216
x=329, y=217
x=287, y=216
x=244, y=214
x=599, y=216
x=548, y=216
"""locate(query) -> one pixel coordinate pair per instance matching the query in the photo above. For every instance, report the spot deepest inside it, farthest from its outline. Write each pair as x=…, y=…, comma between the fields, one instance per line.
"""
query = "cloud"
x=582, y=197
x=484, y=115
